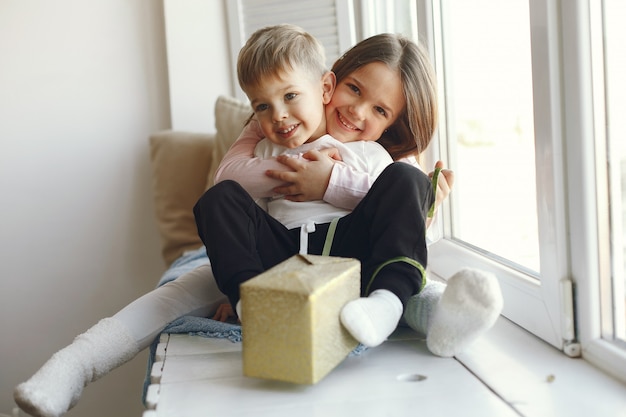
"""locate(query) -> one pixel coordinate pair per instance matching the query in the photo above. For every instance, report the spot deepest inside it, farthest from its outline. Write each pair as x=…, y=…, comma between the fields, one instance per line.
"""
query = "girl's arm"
x=240, y=165
x=337, y=184
x=312, y=176
x=346, y=188
x=318, y=178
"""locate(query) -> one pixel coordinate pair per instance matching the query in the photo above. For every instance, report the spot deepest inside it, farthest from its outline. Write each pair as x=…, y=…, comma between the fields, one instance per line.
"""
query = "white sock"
x=116, y=340
x=469, y=306
x=370, y=320
x=421, y=307
x=58, y=384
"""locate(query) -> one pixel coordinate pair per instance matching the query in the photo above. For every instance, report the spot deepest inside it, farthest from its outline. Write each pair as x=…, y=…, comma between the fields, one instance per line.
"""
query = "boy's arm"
x=240, y=165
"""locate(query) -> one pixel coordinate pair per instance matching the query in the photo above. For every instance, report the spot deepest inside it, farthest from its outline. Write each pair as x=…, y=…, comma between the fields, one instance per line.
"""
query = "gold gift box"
x=290, y=318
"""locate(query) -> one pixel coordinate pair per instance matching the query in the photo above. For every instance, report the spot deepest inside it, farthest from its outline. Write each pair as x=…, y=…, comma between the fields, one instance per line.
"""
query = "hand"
x=444, y=183
x=225, y=313
x=308, y=178
x=330, y=152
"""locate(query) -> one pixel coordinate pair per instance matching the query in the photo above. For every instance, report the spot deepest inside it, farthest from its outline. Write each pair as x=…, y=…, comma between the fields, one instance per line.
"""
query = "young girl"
x=288, y=91
x=57, y=386
x=359, y=110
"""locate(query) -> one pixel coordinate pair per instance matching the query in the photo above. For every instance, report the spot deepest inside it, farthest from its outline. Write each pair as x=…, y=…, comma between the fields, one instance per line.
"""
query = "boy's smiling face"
x=289, y=106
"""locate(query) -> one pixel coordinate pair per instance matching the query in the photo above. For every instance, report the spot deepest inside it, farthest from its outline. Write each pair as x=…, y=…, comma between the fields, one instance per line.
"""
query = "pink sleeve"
x=411, y=160
x=347, y=187
x=240, y=165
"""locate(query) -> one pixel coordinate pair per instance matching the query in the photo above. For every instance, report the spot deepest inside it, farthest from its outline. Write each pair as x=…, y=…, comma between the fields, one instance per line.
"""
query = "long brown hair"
x=412, y=131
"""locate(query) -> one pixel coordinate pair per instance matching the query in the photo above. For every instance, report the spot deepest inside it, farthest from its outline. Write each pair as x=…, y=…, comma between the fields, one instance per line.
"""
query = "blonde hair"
x=275, y=49
x=412, y=131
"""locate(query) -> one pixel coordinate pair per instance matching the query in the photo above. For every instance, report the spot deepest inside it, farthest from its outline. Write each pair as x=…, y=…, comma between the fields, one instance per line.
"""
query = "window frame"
x=565, y=306
x=543, y=306
x=591, y=253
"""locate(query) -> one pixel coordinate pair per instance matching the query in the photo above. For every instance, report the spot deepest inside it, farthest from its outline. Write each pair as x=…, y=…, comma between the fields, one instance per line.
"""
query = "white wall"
x=82, y=85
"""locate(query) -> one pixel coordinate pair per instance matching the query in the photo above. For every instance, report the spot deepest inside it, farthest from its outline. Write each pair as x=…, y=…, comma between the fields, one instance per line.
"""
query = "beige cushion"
x=230, y=118
x=183, y=167
x=180, y=165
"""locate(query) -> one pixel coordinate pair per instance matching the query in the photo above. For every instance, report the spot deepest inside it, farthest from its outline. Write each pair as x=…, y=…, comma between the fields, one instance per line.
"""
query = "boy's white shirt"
x=363, y=156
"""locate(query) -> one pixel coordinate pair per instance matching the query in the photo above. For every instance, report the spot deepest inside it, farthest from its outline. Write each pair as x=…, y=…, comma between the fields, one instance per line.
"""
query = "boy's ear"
x=328, y=86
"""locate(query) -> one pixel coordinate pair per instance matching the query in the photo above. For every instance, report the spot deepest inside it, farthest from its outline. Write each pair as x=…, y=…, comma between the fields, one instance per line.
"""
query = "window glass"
x=395, y=16
x=489, y=106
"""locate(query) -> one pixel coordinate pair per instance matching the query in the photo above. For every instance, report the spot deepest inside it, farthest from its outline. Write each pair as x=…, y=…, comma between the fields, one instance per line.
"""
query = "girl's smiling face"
x=365, y=103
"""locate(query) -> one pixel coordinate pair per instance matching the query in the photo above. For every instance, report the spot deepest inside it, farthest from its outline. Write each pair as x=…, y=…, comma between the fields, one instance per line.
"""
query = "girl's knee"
x=405, y=176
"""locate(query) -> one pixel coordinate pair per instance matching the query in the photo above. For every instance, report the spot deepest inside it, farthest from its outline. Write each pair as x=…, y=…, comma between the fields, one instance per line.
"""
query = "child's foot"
x=421, y=307
x=58, y=384
x=54, y=389
x=469, y=306
x=370, y=320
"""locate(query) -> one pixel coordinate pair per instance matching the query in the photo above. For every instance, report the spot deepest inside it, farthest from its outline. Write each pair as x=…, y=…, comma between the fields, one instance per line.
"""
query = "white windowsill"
x=508, y=372
x=539, y=380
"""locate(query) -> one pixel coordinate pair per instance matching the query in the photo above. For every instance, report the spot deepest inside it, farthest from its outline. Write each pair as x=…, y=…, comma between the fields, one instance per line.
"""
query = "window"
x=501, y=131
x=532, y=105
x=395, y=16
x=603, y=312
x=490, y=128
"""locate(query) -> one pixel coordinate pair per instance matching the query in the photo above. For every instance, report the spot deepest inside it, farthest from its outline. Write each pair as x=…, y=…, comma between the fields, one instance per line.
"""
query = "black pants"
x=386, y=229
